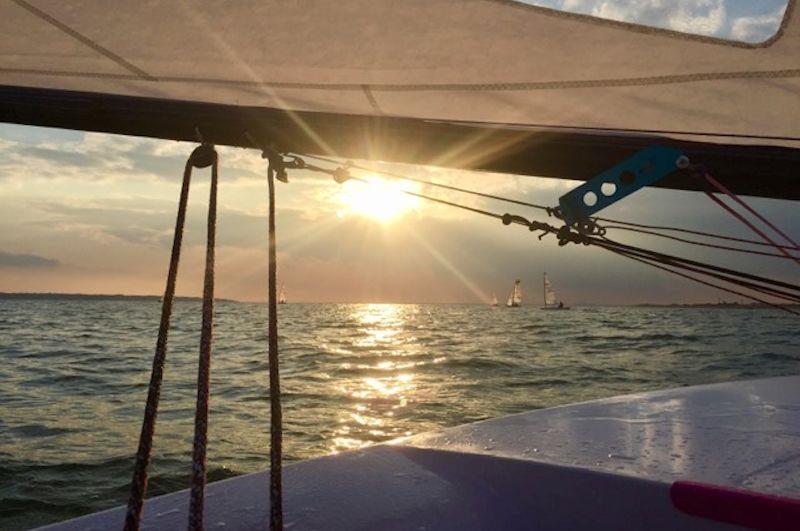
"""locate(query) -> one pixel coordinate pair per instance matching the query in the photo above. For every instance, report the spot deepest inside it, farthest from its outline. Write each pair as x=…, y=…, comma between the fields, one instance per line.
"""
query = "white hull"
x=608, y=464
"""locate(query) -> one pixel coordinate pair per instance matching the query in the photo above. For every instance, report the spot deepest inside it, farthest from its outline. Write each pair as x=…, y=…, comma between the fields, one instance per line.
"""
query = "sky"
x=94, y=213
x=740, y=20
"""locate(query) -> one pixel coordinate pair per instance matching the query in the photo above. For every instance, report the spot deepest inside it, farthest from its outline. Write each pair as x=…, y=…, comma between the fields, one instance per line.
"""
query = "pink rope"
x=716, y=184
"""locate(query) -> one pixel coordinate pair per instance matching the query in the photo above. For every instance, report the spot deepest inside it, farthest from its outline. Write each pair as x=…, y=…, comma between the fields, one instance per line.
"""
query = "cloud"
x=95, y=157
x=737, y=20
x=757, y=29
x=705, y=17
x=26, y=260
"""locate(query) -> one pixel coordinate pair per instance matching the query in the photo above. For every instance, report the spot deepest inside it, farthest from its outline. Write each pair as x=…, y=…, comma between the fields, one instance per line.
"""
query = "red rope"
x=198, y=485
x=140, y=470
x=276, y=416
x=719, y=186
x=704, y=282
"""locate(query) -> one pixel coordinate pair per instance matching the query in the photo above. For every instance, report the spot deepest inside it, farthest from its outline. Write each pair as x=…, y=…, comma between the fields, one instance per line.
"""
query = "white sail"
x=549, y=293
x=494, y=299
x=282, y=296
x=515, y=297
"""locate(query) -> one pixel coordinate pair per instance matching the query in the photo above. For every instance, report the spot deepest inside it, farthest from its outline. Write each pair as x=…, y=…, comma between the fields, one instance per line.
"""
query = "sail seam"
x=434, y=87
x=371, y=99
x=140, y=74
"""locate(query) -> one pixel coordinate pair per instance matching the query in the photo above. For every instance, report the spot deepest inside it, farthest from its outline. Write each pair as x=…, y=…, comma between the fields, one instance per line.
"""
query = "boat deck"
x=606, y=464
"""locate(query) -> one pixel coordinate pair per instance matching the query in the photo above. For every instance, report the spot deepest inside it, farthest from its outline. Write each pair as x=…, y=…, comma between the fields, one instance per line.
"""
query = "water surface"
x=74, y=374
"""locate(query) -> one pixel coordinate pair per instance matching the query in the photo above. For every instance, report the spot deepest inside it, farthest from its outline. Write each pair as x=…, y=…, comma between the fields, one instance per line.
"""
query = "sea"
x=74, y=375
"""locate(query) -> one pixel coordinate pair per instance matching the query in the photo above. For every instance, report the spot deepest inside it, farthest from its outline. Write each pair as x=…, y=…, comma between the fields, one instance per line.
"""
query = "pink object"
x=736, y=506
x=741, y=218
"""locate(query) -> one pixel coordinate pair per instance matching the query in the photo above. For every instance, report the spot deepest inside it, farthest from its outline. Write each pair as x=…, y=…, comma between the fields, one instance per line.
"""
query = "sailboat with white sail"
x=515, y=297
x=282, y=295
x=494, y=300
x=551, y=302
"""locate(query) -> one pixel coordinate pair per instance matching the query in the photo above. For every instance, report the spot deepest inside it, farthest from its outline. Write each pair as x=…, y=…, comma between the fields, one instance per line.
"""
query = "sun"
x=376, y=199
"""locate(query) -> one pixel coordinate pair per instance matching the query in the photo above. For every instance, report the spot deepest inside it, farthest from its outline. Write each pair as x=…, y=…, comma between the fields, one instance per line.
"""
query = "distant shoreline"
x=112, y=297
x=718, y=305
x=105, y=297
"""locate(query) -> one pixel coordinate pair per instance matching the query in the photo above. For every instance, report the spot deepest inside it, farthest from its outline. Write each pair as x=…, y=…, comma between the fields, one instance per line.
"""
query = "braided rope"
x=198, y=485
x=143, y=453
x=276, y=416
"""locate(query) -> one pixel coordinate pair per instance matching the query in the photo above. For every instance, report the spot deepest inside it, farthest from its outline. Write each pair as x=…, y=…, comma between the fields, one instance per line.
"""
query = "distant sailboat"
x=494, y=299
x=282, y=296
x=550, y=300
x=515, y=297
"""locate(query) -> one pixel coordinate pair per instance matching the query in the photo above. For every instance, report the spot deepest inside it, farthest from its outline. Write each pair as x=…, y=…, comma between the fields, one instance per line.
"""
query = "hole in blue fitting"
x=590, y=199
x=608, y=189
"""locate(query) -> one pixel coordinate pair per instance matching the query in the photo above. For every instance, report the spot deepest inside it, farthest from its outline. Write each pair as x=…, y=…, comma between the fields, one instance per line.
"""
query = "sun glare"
x=376, y=199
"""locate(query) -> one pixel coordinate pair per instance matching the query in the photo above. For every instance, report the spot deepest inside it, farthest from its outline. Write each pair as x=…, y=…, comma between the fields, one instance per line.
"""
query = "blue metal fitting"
x=642, y=169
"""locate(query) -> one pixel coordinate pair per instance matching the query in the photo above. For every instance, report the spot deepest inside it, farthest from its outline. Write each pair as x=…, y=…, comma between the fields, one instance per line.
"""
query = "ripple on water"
x=75, y=375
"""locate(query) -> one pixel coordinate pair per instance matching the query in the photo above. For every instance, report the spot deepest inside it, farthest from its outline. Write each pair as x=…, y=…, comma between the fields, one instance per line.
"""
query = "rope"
x=143, y=453
x=629, y=225
x=276, y=417
x=716, y=184
x=566, y=236
x=694, y=242
x=679, y=262
x=551, y=210
x=440, y=201
x=701, y=281
x=276, y=168
x=436, y=185
x=663, y=257
x=198, y=485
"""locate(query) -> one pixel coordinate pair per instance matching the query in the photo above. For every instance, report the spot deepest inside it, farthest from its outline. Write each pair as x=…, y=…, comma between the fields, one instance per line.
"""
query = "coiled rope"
x=201, y=157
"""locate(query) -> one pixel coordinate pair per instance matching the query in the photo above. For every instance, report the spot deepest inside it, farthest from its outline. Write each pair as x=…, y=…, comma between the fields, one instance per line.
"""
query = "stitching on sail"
x=371, y=99
x=83, y=39
x=478, y=87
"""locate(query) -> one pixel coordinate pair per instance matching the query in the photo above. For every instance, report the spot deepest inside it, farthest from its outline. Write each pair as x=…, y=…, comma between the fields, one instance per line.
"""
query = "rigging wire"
x=778, y=293
x=694, y=242
x=701, y=281
x=690, y=231
x=756, y=283
x=553, y=211
x=663, y=257
x=436, y=185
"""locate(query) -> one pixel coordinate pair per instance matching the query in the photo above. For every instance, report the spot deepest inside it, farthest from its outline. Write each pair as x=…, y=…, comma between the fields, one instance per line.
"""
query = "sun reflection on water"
x=379, y=390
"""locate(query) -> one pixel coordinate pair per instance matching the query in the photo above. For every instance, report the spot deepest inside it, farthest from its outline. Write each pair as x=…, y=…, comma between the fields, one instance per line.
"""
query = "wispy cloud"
x=26, y=260
x=733, y=19
x=757, y=28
